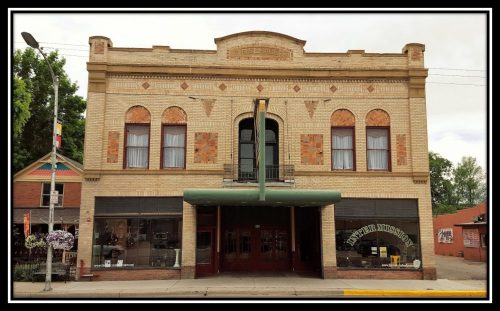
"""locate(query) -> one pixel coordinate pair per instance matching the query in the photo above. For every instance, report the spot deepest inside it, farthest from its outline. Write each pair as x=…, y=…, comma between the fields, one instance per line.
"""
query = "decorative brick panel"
x=184, y=85
x=138, y=114
x=99, y=48
x=208, y=105
x=311, y=149
x=378, y=117
x=401, y=148
x=113, y=144
x=205, y=148
x=174, y=115
x=260, y=88
x=342, y=117
x=311, y=107
x=416, y=54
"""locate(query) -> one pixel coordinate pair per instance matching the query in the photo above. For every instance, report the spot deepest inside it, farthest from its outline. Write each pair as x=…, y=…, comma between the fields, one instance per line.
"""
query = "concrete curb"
x=415, y=293
x=258, y=293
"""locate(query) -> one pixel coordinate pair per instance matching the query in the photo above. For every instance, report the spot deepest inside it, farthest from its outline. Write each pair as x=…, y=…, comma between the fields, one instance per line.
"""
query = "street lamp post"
x=34, y=44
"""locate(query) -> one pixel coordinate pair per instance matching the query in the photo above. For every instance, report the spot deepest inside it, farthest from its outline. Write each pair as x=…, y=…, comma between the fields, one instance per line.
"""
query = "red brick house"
x=463, y=233
x=31, y=196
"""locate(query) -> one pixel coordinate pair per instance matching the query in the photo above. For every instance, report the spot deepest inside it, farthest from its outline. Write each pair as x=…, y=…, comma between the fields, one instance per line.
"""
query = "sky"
x=455, y=52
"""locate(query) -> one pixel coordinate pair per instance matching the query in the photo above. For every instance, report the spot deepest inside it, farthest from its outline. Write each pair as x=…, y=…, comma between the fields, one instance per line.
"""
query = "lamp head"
x=30, y=40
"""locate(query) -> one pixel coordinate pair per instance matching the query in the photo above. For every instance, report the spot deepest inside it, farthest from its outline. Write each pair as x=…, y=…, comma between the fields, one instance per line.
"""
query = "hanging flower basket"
x=60, y=239
x=34, y=241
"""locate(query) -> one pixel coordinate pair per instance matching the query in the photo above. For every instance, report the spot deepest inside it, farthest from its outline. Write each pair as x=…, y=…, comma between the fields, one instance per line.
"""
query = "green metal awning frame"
x=261, y=196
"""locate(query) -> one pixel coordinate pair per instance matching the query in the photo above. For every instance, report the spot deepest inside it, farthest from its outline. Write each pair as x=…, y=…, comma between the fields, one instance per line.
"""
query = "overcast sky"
x=456, y=99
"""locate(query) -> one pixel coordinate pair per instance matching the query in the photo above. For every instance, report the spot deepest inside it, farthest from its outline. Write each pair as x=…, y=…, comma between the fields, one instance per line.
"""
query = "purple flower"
x=60, y=239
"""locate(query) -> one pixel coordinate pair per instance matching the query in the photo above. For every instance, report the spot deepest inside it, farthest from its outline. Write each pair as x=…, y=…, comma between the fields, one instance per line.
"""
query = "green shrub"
x=24, y=272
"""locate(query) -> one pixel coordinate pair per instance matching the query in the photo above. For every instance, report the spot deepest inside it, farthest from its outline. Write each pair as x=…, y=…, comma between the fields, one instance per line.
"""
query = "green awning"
x=250, y=197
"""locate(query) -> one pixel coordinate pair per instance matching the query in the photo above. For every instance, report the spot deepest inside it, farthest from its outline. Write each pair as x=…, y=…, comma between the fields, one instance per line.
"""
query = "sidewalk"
x=255, y=287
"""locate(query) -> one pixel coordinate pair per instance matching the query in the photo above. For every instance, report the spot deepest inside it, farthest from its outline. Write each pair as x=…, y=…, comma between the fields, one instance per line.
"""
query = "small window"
x=378, y=152
x=174, y=146
x=342, y=149
x=137, y=148
x=46, y=195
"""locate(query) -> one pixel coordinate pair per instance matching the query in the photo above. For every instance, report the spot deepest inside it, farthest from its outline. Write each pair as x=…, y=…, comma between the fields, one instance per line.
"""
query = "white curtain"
x=137, y=146
x=174, y=141
x=342, y=149
x=377, y=149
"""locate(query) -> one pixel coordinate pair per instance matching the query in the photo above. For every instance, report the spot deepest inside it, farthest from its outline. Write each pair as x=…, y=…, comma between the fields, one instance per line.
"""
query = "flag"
x=59, y=128
x=58, y=142
x=27, y=224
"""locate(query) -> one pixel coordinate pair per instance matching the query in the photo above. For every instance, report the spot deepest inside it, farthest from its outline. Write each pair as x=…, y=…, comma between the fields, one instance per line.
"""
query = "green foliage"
x=452, y=188
x=24, y=272
x=442, y=189
x=21, y=99
x=469, y=182
x=35, y=135
x=444, y=209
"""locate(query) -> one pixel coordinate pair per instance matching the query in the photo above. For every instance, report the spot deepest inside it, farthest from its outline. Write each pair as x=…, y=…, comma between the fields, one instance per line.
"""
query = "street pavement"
x=251, y=286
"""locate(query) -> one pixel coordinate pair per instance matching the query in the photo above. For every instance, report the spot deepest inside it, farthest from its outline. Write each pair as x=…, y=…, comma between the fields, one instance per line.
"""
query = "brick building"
x=31, y=197
x=173, y=187
x=462, y=234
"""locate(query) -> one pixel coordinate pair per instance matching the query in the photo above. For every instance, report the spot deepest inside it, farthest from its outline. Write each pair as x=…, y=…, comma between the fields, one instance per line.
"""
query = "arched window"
x=343, y=155
x=174, y=138
x=137, y=121
x=378, y=142
x=247, y=165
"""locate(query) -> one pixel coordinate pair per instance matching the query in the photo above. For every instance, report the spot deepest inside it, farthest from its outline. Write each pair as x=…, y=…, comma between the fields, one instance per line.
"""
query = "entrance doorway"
x=255, y=239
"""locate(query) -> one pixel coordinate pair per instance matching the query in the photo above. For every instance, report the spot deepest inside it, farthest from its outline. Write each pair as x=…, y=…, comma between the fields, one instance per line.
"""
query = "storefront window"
x=378, y=243
x=136, y=242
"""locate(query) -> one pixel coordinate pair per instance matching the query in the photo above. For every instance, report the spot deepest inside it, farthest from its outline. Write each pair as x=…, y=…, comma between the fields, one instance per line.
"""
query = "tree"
x=469, y=182
x=442, y=189
x=35, y=135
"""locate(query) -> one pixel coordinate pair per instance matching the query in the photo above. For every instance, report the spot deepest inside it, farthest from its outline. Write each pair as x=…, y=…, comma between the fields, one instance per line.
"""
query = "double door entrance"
x=241, y=238
x=255, y=238
x=255, y=247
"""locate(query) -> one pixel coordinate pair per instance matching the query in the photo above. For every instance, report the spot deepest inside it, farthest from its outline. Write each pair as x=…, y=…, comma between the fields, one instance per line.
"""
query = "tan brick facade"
x=212, y=91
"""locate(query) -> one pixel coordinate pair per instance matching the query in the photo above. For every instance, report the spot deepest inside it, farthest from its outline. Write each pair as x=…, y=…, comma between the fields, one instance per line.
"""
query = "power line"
x=58, y=48
x=437, y=74
x=457, y=83
x=455, y=69
x=64, y=43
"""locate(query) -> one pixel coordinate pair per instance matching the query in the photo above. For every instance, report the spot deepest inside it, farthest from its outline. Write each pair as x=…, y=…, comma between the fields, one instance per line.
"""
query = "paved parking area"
x=456, y=268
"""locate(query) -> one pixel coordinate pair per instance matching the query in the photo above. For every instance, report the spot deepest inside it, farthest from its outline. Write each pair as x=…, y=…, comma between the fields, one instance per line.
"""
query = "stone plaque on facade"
x=259, y=52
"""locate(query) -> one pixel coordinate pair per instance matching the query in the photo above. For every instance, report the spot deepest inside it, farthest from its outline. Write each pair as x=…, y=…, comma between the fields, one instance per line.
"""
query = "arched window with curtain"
x=378, y=141
x=174, y=130
x=247, y=164
x=343, y=152
x=137, y=128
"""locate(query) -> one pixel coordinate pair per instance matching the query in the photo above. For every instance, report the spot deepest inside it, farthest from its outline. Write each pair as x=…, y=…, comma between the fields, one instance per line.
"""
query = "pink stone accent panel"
x=401, y=149
x=311, y=149
x=174, y=115
x=137, y=114
x=205, y=148
x=342, y=117
x=113, y=145
x=378, y=117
